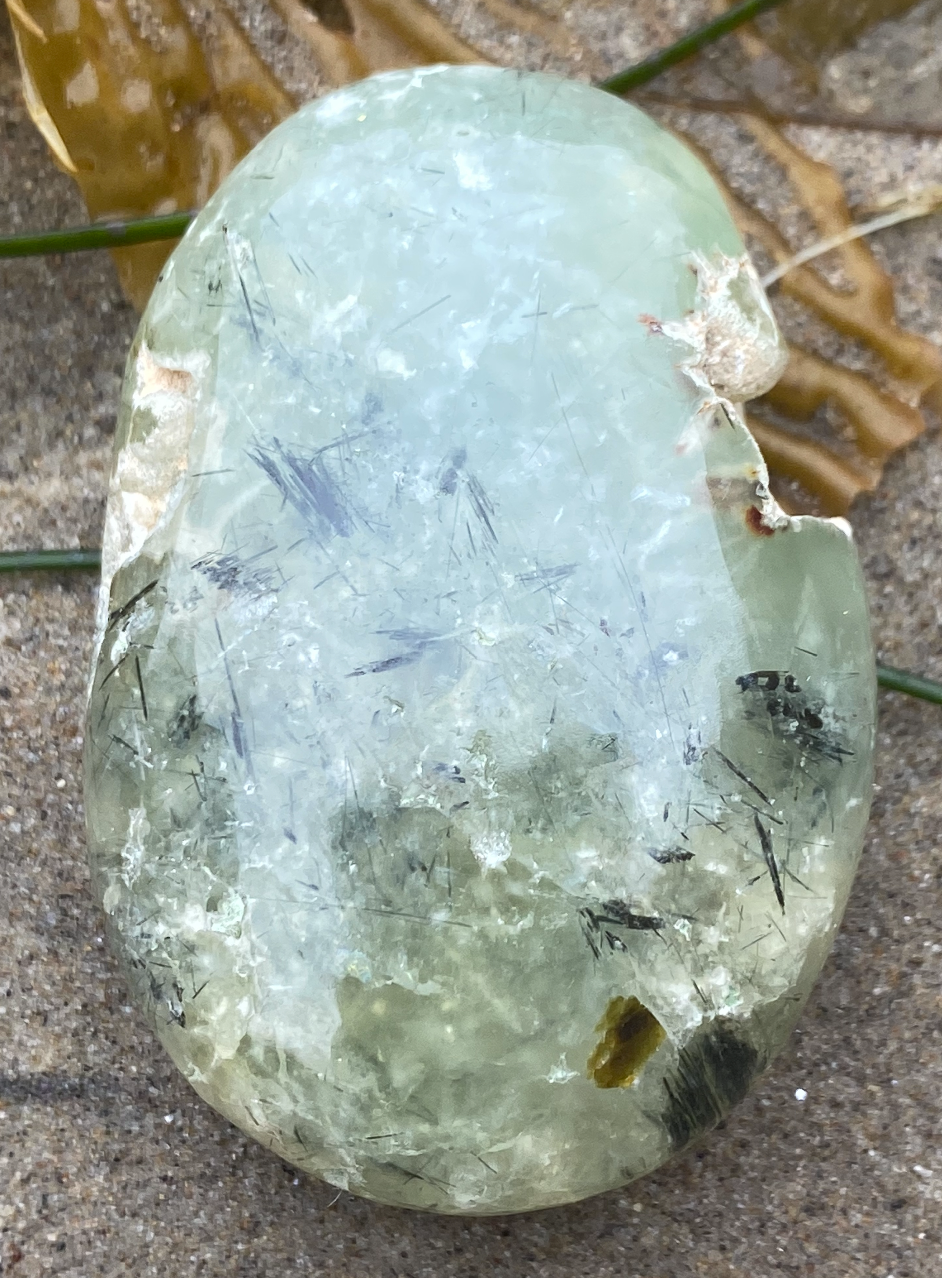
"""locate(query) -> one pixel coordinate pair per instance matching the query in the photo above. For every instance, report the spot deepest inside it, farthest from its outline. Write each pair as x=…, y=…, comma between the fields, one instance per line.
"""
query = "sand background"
x=110, y=1165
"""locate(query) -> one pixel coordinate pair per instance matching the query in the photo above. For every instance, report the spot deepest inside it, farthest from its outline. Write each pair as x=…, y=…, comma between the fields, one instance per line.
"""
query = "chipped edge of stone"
x=149, y=472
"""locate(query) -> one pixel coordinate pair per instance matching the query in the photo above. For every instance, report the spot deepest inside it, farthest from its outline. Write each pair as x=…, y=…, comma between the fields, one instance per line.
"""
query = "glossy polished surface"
x=478, y=760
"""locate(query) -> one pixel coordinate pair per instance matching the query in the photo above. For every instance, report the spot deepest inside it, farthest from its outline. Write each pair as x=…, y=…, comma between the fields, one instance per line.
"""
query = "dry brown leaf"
x=812, y=30
x=145, y=123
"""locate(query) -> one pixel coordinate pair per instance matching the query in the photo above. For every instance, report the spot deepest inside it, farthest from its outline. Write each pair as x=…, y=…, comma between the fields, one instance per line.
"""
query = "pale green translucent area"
x=461, y=687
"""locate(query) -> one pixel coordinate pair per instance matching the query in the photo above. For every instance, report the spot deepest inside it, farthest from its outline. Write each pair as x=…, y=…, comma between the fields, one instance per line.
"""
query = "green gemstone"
x=478, y=760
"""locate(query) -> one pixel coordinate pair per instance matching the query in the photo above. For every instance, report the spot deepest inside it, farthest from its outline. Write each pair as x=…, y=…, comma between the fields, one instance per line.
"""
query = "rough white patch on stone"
x=228, y=914
x=148, y=469
x=132, y=854
x=659, y=497
x=336, y=105
x=491, y=849
x=736, y=350
x=390, y=361
x=147, y=480
x=736, y=353
x=398, y=87
x=733, y=488
x=332, y=322
x=561, y=1073
x=112, y=897
x=471, y=173
x=771, y=514
x=140, y=619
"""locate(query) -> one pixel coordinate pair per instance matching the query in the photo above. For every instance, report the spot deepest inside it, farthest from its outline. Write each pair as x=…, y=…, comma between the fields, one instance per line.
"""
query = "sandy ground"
x=110, y=1165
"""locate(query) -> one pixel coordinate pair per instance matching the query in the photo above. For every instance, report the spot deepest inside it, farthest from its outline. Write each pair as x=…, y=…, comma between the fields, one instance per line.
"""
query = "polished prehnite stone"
x=478, y=758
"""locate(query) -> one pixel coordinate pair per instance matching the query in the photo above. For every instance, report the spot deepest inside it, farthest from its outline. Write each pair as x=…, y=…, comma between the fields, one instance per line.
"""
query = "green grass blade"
x=912, y=685
x=99, y=235
x=48, y=560
x=644, y=72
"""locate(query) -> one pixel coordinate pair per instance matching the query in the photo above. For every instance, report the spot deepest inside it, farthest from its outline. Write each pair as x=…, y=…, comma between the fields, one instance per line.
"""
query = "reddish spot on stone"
x=756, y=524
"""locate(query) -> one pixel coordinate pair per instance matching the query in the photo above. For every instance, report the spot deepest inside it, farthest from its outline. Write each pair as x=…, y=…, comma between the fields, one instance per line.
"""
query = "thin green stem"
x=99, y=235
x=912, y=684
x=686, y=46
x=48, y=560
